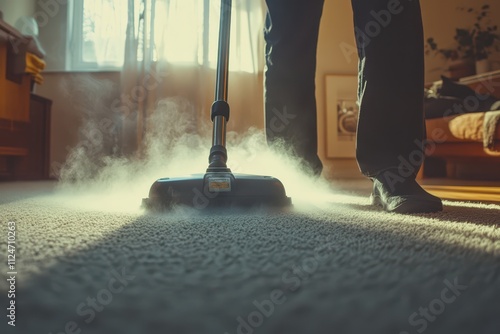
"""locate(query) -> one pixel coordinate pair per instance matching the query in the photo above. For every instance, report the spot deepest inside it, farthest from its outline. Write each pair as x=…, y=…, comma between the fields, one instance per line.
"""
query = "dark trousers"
x=389, y=38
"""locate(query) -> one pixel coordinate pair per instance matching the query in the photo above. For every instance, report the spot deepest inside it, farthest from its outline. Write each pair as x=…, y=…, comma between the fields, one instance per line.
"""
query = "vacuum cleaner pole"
x=220, y=108
x=223, y=56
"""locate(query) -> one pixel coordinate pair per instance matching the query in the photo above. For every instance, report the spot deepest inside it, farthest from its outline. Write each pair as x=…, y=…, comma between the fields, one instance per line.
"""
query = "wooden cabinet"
x=14, y=83
x=25, y=147
x=24, y=117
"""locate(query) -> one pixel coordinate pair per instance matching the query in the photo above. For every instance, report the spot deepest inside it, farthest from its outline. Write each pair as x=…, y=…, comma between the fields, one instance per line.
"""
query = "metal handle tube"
x=223, y=52
x=219, y=131
x=219, y=122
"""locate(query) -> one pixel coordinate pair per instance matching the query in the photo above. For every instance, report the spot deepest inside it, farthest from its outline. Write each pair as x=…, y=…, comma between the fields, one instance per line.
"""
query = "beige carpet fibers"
x=95, y=263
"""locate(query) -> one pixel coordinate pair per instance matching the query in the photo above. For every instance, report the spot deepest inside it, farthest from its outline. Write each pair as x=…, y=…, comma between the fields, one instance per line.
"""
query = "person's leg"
x=391, y=83
x=391, y=127
x=291, y=36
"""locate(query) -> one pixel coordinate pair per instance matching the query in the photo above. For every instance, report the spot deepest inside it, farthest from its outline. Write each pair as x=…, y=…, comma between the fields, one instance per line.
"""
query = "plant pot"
x=483, y=66
x=461, y=68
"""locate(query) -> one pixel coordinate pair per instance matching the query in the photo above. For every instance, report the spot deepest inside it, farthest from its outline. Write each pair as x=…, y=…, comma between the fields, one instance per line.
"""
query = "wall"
x=336, y=34
x=59, y=86
x=441, y=18
x=14, y=9
x=52, y=17
x=76, y=96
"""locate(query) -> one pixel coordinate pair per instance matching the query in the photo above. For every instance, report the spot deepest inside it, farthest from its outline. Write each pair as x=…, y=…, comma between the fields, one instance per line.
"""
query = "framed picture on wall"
x=341, y=115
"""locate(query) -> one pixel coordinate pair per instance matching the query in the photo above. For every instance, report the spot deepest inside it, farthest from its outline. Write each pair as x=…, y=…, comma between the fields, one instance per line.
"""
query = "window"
x=98, y=32
x=188, y=33
x=183, y=32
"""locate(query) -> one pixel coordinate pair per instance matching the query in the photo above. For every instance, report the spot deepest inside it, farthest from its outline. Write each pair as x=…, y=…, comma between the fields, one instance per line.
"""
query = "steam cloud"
x=96, y=176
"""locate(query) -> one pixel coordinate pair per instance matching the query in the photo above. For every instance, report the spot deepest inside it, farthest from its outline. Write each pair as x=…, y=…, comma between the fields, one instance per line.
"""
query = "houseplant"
x=472, y=45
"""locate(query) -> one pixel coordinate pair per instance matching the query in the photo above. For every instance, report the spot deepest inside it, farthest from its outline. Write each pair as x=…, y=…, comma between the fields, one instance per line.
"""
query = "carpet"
x=87, y=263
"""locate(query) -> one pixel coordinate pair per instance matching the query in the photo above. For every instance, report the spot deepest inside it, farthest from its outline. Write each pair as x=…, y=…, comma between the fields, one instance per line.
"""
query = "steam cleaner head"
x=217, y=190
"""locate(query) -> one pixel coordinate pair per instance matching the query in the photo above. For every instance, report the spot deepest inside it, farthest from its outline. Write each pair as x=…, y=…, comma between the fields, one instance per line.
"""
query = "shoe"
x=402, y=195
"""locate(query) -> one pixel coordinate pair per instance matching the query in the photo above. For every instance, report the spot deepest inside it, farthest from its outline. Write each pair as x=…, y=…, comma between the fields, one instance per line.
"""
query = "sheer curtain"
x=171, y=52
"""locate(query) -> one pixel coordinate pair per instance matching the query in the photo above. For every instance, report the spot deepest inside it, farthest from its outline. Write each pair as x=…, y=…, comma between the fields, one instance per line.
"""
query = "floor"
x=88, y=262
x=346, y=175
x=464, y=190
x=450, y=189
